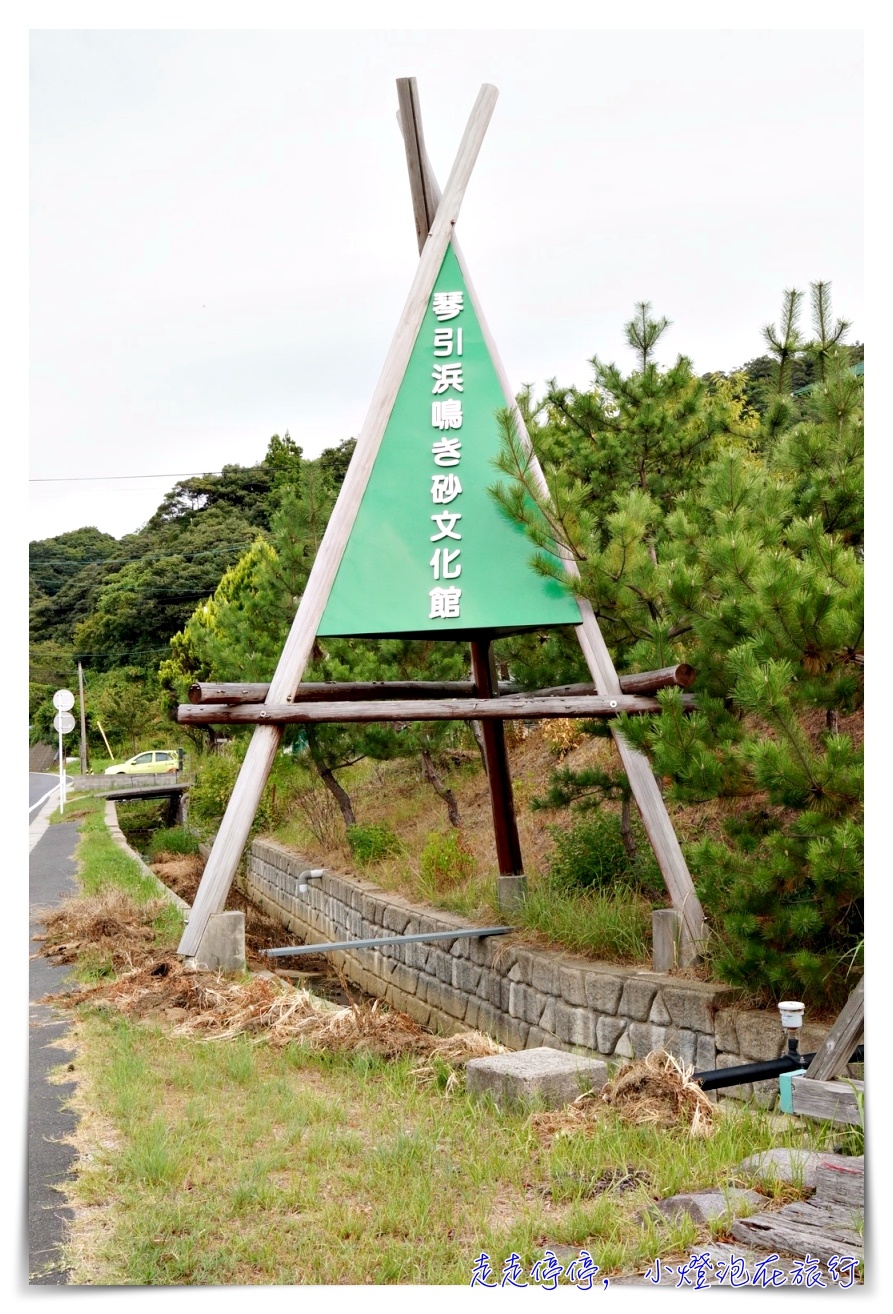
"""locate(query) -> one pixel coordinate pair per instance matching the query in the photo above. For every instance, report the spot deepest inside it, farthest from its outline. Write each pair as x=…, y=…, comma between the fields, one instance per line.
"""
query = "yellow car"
x=160, y=761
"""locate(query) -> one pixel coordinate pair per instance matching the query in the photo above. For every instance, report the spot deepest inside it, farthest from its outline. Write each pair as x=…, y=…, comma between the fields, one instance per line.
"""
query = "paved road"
x=52, y=878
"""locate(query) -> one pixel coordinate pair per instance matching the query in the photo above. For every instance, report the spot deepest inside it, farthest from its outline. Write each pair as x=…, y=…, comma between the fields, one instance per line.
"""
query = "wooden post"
x=833, y=1054
x=83, y=720
x=505, y=826
x=234, y=829
x=649, y=800
x=425, y=201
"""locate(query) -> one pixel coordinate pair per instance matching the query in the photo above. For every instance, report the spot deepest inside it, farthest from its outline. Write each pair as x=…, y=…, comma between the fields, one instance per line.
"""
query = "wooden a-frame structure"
x=286, y=700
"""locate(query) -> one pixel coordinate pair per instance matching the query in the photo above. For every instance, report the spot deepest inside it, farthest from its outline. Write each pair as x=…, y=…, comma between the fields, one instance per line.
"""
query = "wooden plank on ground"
x=828, y=1101
x=801, y=1228
x=841, y=1180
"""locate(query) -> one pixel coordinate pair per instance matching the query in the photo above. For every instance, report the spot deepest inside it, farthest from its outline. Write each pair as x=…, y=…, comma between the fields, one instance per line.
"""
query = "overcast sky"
x=222, y=236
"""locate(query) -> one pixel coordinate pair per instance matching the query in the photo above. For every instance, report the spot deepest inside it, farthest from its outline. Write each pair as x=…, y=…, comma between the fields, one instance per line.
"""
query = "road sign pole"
x=61, y=775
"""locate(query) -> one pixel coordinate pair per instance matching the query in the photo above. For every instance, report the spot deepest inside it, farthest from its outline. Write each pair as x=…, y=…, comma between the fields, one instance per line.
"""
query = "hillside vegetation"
x=716, y=520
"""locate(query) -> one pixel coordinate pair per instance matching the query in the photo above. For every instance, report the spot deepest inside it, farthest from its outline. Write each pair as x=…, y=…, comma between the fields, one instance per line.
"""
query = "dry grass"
x=206, y=1005
x=656, y=1091
x=110, y=925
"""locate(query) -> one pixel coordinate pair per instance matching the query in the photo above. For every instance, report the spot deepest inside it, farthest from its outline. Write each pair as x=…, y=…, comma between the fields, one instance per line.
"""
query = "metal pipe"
x=716, y=1078
x=387, y=939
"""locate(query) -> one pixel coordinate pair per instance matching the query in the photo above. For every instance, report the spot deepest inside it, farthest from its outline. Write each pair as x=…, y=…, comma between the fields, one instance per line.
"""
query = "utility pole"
x=83, y=720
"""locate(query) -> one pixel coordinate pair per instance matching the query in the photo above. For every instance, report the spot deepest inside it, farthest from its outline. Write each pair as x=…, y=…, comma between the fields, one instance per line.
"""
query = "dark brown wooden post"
x=505, y=826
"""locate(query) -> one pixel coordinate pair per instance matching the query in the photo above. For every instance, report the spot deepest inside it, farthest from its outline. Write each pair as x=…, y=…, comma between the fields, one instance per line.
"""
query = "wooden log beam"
x=592, y=707
x=341, y=691
x=641, y=682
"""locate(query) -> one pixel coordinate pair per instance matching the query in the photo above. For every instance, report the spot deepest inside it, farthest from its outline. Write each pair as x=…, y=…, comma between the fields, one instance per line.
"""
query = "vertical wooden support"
x=505, y=826
x=234, y=829
x=425, y=200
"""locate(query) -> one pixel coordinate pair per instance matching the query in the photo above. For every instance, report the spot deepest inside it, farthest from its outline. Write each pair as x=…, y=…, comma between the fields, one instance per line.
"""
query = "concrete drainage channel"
x=451, y=976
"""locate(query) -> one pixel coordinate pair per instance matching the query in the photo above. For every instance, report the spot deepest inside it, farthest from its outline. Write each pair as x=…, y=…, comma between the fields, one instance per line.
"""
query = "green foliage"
x=215, y=777
x=592, y=855
x=708, y=532
x=177, y=840
x=446, y=861
x=372, y=843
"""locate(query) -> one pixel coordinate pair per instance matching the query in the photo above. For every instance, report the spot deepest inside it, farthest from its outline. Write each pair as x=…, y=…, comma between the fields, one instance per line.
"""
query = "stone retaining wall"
x=521, y=996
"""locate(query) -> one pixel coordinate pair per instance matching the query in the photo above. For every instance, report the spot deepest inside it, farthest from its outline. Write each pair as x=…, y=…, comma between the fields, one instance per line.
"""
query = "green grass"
x=612, y=925
x=235, y=1163
x=238, y=1164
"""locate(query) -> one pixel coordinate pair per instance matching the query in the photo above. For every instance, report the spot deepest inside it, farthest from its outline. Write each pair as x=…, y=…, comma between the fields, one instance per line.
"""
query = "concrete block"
x=575, y=1026
x=705, y=1206
x=514, y=1033
x=222, y=947
x=724, y=1034
x=784, y=1165
x=489, y=1019
x=760, y=1035
x=705, y=1054
x=644, y=1038
x=658, y=1014
x=465, y=975
x=525, y=1003
x=535, y=1076
x=624, y=1047
x=683, y=1045
x=544, y=976
x=671, y=944
x=572, y=987
x=511, y=891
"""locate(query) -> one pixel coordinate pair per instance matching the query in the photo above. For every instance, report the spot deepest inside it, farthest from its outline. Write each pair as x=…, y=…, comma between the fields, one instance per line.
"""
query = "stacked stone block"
x=521, y=996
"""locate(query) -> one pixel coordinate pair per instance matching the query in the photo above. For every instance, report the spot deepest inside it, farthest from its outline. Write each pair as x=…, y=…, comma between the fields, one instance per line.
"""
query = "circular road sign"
x=63, y=700
x=63, y=722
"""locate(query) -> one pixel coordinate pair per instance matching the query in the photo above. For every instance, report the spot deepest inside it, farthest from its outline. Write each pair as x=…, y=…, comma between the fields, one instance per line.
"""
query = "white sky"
x=221, y=235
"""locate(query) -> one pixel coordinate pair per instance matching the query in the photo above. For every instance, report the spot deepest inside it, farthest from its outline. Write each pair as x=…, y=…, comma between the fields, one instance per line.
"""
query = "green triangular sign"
x=430, y=553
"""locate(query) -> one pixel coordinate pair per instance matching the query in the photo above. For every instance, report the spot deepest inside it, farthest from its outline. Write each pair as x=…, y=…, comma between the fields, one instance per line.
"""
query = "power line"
x=104, y=479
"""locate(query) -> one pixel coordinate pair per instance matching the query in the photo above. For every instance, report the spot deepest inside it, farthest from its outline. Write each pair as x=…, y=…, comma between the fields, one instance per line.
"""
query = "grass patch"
x=176, y=840
x=248, y=1161
x=613, y=925
x=242, y=1164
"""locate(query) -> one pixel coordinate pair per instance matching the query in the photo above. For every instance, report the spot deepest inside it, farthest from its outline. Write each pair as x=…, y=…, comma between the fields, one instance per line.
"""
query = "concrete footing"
x=222, y=947
x=544, y=1076
x=511, y=891
x=671, y=943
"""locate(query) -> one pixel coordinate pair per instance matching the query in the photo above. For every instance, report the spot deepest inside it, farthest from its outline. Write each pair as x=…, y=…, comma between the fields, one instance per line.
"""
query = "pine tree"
x=747, y=565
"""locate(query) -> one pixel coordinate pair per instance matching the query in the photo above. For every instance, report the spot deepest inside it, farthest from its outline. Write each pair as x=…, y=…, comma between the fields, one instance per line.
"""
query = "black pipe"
x=716, y=1078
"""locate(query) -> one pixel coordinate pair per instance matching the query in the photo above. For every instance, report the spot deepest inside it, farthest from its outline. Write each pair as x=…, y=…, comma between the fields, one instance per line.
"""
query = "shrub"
x=176, y=840
x=591, y=855
x=215, y=777
x=372, y=843
x=446, y=861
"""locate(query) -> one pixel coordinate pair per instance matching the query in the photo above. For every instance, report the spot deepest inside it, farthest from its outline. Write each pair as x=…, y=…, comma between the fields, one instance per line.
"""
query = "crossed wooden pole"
x=435, y=219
